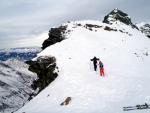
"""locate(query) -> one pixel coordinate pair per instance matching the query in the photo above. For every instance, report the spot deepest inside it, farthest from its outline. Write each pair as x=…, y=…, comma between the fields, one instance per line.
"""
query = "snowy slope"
x=24, y=53
x=15, y=84
x=125, y=54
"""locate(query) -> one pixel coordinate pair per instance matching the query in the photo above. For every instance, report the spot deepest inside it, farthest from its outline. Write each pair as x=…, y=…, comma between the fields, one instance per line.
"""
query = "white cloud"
x=34, y=40
x=22, y=17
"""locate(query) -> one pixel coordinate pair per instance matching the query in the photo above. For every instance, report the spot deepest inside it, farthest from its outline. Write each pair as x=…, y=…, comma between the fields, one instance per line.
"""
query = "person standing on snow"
x=101, y=66
x=94, y=62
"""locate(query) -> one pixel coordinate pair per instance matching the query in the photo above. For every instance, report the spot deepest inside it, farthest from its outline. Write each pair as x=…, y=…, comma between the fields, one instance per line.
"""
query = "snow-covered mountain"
x=124, y=51
x=15, y=84
x=15, y=79
x=145, y=28
x=23, y=53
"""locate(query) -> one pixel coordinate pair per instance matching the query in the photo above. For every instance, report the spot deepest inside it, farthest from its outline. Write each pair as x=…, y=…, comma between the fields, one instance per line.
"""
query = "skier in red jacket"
x=101, y=66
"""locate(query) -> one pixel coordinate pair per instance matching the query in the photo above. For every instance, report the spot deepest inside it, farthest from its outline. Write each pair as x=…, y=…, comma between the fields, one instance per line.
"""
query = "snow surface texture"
x=15, y=85
x=126, y=65
x=23, y=53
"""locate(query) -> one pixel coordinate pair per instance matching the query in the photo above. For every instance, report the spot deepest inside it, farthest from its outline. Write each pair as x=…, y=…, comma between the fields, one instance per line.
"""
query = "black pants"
x=95, y=67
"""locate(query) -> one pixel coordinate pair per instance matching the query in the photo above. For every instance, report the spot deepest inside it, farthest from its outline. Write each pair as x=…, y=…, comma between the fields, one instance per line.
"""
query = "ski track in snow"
x=125, y=84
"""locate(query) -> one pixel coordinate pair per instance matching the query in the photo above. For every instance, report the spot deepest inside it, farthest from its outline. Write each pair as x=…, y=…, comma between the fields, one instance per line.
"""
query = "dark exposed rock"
x=118, y=15
x=4, y=65
x=79, y=25
x=91, y=25
x=55, y=35
x=121, y=31
x=3, y=106
x=3, y=84
x=44, y=67
x=109, y=29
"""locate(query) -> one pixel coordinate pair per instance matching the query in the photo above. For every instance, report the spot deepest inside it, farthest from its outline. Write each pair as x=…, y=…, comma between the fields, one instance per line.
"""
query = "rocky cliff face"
x=45, y=67
x=55, y=35
x=46, y=70
x=120, y=16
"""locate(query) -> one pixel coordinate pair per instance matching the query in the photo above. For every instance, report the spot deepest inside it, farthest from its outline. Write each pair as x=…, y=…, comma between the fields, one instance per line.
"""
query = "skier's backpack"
x=101, y=65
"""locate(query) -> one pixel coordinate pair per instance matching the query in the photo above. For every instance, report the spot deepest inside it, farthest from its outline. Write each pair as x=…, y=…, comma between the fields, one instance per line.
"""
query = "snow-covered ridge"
x=97, y=26
x=126, y=66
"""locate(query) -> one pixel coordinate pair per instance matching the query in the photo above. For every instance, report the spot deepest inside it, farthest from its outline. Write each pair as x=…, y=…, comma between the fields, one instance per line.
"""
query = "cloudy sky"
x=27, y=22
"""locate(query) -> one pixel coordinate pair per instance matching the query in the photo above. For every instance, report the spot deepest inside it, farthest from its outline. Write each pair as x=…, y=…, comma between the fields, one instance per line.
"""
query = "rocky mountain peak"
x=118, y=15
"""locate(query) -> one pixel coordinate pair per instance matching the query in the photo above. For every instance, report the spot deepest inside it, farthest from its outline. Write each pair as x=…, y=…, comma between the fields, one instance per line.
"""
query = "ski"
x=137, y=107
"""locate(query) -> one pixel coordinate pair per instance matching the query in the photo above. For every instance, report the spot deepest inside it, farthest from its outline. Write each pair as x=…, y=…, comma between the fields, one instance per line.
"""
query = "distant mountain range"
x=23, y=53
x=15, y=78
x=15, y=84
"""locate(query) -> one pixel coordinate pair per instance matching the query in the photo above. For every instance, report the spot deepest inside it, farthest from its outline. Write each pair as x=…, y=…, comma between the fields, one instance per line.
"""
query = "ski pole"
x=98, y=69
x=105, y=73
x=90, y=65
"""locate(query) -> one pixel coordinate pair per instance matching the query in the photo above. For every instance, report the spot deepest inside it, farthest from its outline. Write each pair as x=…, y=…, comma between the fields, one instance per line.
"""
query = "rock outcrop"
x=55, y=35
x=45, y=68
x=118, y=15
